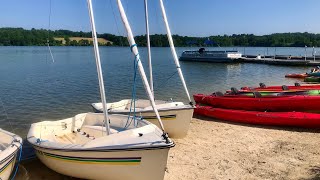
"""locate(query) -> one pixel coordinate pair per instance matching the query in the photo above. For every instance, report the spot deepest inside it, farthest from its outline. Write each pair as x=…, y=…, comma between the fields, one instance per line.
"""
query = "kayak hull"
x=317, y=74
x=296, y=119
x=270, y=103
x=296, y=75
x=312, y=79
x=280, y=88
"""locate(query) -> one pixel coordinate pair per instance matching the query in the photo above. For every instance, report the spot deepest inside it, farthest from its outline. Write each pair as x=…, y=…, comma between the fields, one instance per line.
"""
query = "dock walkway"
x=289, y=62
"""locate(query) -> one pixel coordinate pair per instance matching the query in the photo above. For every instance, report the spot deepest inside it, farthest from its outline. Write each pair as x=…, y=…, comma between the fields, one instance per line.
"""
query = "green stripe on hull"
x=108, y=161
x=6, y=166
x=167, y=117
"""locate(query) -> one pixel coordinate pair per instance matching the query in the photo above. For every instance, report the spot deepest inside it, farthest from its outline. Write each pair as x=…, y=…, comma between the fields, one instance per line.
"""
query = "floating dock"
x=281, y=60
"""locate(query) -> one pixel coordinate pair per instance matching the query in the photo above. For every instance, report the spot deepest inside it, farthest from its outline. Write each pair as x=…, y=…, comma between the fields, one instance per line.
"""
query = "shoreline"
x=216, y=149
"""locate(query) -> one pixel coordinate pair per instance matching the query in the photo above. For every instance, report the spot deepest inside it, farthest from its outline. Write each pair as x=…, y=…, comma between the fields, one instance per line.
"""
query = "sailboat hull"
x=9, y=148
x=175, y=118
x=175, y=121
x=78, y=147
x=7, y=167
x=119, y=165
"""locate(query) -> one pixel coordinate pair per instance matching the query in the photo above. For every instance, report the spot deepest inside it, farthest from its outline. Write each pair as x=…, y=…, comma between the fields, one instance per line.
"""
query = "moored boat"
x=249, y=92
x=79, y=147
x=303, y=75
x=210, y=56
x=295, y=119
x=263, y=87
x=10, y=144
x=176, y=116
x=102, y=146
x=259, y=103
x=313, y=92
x=317, y=74
x=312, y=79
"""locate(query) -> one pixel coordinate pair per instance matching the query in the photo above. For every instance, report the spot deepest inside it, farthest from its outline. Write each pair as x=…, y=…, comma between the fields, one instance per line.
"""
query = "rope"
x=133, y=94
x=131, y=47
x=17, y=165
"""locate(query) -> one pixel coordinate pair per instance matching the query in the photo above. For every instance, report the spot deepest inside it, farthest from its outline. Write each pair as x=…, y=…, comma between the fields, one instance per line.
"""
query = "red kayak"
x=296, y=75
x=259, y=103
x=297, y=119
x=235, y=91
x=283, y=87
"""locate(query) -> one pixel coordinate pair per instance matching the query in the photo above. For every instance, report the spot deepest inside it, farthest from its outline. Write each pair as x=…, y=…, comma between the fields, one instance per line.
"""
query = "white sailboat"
x=176, y=116
x=102, y=146
x=10, y=144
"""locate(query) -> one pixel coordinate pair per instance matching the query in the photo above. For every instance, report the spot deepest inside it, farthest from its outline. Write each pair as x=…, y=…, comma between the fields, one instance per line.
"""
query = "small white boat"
x=175, y=116
x=79, y=147
x=102, y=146
x=9, y=149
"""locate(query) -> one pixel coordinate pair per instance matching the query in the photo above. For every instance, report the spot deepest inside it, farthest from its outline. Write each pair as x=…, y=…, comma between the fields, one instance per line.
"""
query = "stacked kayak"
x=297, y=119
x=312, y=79
x=314, y=72
x=317, y=74
x=273, y=105
x=263, y=87
x=248, y=92
x=259, y=103
x=311, y=92
x=303, y=75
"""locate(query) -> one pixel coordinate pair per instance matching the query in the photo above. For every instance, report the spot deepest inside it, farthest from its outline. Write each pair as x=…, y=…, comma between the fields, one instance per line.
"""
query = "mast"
x=305, y=52
x=173, y=50
x=135, y=51
x=98, y=63
x=314, y=54
x=148, y=44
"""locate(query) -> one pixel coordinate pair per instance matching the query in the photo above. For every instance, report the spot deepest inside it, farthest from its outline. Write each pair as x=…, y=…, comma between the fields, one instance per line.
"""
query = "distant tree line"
x=40, y=37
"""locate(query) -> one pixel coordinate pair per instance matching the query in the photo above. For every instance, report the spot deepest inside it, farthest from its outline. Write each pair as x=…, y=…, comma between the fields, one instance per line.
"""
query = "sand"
x=218, y=150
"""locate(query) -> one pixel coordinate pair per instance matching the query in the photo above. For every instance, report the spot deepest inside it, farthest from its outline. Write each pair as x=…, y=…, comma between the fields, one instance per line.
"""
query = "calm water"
x=34, y=88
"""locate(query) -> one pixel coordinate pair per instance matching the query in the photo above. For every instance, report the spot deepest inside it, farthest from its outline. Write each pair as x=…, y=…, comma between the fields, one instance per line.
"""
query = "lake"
x=34, y=88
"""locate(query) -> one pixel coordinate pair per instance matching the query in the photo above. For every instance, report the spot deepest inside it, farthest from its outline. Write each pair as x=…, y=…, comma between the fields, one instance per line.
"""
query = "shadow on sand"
x=315, y=172
x=292, y=129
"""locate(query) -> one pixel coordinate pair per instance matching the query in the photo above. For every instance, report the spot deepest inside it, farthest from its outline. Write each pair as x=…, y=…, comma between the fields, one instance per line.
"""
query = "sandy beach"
x=218, y=150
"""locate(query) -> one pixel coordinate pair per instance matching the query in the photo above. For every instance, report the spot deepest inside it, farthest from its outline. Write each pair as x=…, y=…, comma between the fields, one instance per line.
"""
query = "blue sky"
x=186, y=17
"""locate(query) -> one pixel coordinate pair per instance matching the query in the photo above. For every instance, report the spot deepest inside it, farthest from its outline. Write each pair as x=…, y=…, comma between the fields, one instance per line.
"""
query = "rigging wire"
x=48, y=45
x=4, y=111
x=156, y=12
x=49, y=27
x=165, y=82
x=115, y=21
